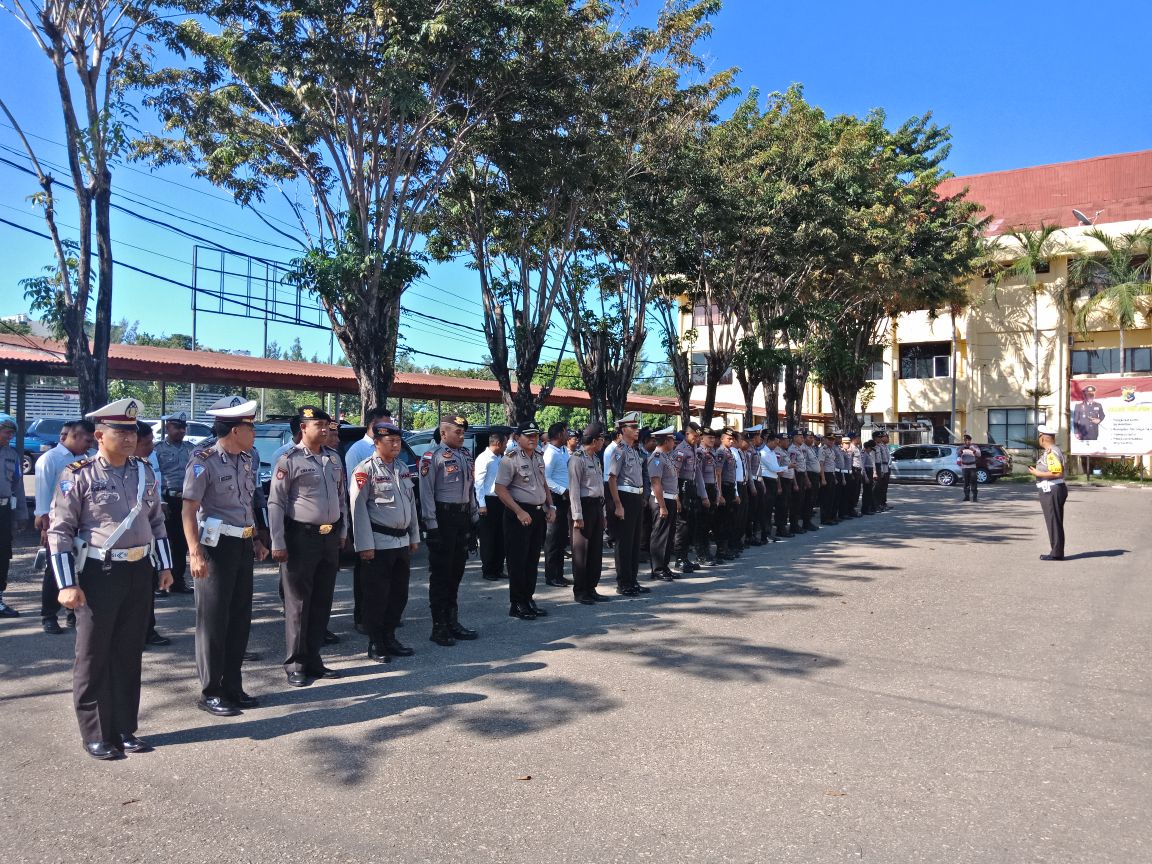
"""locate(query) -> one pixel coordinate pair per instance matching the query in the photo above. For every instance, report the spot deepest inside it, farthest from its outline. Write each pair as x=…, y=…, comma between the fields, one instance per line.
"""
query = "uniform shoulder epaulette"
x=78, y=464
x=202, y=454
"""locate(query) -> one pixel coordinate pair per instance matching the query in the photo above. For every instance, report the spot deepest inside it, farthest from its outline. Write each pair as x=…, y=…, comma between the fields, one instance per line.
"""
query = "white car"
x=196, y=433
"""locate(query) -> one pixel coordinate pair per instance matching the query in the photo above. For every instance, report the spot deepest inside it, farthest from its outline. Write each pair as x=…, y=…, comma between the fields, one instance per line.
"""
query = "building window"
x=1106, y=361
x=1015, y=428
x=700, y=317
x=700, y=371
x=875, y=370
x=926, y=360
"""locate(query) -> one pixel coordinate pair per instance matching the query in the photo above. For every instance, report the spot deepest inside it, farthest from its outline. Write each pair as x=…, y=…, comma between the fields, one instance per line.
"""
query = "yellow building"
x=1001, y=369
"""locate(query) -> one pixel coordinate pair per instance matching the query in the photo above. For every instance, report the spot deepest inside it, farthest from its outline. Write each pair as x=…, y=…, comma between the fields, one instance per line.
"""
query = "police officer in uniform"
x=664, y=504
x=709, y=501
x=626, y=494
x=13, y=506
x=770, y=477
x=221, y=500
x=693, y=496
x=386, y=531
x=755, y=487
x=586, y=488
x=728, y=500
x=521, y=486
x=788, y=487
x=173, y=454
x=844, y=459
x=308, y=509
x=106, y=510
x=1050, y=481
x=968, y=458
x=812, y=469
x=449, y=507
x=798, y=462
x=829, y=481
x=1087, y=416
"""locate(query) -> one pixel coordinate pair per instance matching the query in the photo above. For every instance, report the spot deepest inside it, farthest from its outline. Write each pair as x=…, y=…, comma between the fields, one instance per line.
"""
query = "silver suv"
x=933, y=463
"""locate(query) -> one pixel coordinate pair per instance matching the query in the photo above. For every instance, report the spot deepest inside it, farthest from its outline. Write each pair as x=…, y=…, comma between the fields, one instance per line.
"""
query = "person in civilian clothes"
x=1049, y=472
x=308, y=509
x=968, y=458
x=490, y=528
x=556, y=475
x=770, y=476
x=111, y=503
x=663, y=504
x=528, y=509
x=450, y=510
x=356, y=453
x=173, y=454
x=693, y=496
x=386, y=531
x=626, y=494
x=586, y=486
x=13, y=507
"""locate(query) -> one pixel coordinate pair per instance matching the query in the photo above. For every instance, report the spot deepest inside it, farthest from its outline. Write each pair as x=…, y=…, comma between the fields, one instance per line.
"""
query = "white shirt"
x=284, y=448
x=739, y=464
x=556, y=468
x=356, y=454
x=608, y=451
x=48, y=468
x=769, y=464
x=485, y=469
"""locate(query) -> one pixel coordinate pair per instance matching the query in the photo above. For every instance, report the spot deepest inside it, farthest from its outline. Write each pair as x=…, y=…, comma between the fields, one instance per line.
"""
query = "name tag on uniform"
x=387, y=496
x=451, y=467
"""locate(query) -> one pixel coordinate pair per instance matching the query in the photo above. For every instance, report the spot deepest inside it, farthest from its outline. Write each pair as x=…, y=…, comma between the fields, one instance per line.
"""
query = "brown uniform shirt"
x=522, y=474
x=307, y=487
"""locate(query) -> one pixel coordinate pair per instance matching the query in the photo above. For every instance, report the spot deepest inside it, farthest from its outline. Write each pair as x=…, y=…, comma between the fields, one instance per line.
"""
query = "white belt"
x=668, y=497
x=845, y=471
x=635, y=490
x=132, y=553
x=235, y=530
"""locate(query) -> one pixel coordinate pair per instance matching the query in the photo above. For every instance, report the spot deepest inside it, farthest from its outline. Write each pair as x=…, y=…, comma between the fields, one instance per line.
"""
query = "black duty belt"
x=309, y=528
x=170, y=494
x=524, y=506
x=450, y=507
x=389, y=532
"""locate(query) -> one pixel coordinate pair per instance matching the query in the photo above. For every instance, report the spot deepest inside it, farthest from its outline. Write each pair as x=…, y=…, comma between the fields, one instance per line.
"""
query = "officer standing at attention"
x=798, y=462
x=356, y=453
x=173, y=454
x=386, y=531
x=812, y=469
x=664, y=503
x=308, y=509
x=144, y=451
x=710, y=480
x=693, y=496
x=1049, y=473
x=106, y=524
x=220, y=511
x=556, y=474
x=13, y=506
x=968, y=458
x=587, y=495
x=829, y=481
x=728, y=500
x=449, y=507
x=528, y=508
x=754, y=519
x=788, y=486
x=490, y=528
x=770, y=477
x=884, y=471
x=626, y=493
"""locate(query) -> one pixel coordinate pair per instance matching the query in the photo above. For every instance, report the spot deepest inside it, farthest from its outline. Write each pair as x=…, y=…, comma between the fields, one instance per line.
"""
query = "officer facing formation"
x=386, y=532
x=13, y=507
x=448, y=505
x=222, y=503
x=1049, y=472
x=105, y=525
x=528, y=509
x=308, y=506
x=173, y=454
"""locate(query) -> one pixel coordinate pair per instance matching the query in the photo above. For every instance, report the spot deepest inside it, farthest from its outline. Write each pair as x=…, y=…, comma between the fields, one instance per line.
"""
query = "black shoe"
x=217, y=706
x=522, y=611
x=442, y=635
x=51, y=625
x=395, y=648
x=180, y=589
x=540, y=613
x=811, y=527
x=629, y=591
x=558, y=583
x=243, y=700
x=155, y=638
x=377, y=653
x=322, y=672
x=132, y=744
x=685, y=566
x=7, y=611
x=1051, y=557
x=755, y=543
x=70, y=620
x=298, y=679
x=493, y=577
x=103, y=750
x=160, y=595
x=662, y=576
x=250, y=656
x=642, y=589
x=585, y=601
x=458, y=630
x=330, y=638
x=599, y=598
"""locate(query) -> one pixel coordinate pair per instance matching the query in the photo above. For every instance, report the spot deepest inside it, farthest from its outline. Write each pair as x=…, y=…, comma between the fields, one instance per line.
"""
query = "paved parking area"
x=915, y=686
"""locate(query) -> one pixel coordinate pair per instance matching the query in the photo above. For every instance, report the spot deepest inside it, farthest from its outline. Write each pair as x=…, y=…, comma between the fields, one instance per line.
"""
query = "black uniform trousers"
x=384, y=581
x=686, y=518
x=882, y=487
x=645, y=530
x=627, y=552
x=224, y=616
x=49, y=593
x=173, y=521
x=110, y=630
x=755, y=506
x=1052, y=504
x=724, y=519
x=309, y=578
x=447, y=555
x=796, y=502
x=490, y=531
x=706, y=517
x=811, y=497
x=851, y=494
x=739, y=523
x=5, y=545
x=767, y=507
x=868, y=498
x=829, y=492
x=970, y=485
x=523, y=544
x=588, y=549
x=663, y=535
x=784, y=505
x=556, y=539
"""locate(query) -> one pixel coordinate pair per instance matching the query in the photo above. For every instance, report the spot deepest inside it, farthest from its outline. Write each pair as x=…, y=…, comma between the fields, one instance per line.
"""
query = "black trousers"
x=882, y=481
x=755, y=511
x=5, y=546
x=627, y=552
x=447, y=555
x=588, y=548
x=523, y=544
x=49, y=593
x=724, y=518
x=309, y=578
x=868, y=488
x=663, y=535
x=224, y=616
x=110, y=631
x=385, y=580
x=970, y=485
x=783, y=505
x=768, y=507
x=811, y=497
x=686, y=518
x=1052, y=504
x=706, y=518
x=173, y=521
x=556, y=539
x=850, y=494
x=740, y=523
x=490, y=531
x=796, y=504
x=828, y=504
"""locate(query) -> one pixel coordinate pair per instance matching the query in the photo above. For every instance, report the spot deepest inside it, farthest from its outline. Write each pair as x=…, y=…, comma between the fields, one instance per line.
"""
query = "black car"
x=475, y=439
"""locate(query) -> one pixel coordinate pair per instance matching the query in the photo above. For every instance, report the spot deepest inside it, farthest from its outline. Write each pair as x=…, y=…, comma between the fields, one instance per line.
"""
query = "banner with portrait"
x=1111, y=416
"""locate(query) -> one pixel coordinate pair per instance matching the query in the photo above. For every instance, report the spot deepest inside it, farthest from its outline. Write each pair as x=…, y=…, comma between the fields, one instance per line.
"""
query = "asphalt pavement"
x=910, y=687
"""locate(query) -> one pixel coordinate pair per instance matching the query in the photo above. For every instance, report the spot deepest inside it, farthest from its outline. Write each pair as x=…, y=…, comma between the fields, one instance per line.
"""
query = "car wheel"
x=946, y=478
x=28, y=463
x=982, y=476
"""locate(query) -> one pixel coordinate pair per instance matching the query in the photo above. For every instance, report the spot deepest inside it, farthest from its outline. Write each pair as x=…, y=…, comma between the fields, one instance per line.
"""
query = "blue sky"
x=1020, y=83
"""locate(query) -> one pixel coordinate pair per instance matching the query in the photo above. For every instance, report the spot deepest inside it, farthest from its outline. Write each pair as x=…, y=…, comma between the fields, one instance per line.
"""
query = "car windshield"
x=47, y=428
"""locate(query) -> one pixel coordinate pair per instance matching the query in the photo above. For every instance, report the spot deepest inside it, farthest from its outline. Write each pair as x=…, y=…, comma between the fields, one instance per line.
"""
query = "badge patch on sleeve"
x=361, y=478
x=197, y=470
x=281, y=473
x=65, y=487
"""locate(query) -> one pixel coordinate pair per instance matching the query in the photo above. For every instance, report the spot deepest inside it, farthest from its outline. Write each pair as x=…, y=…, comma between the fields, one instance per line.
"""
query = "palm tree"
x=1118, y=280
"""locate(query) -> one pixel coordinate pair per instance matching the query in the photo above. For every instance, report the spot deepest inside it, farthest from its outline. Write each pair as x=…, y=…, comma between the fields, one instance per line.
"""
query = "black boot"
x=458, y=630
x=441, y=632
x=394, y=646
x=377, y=652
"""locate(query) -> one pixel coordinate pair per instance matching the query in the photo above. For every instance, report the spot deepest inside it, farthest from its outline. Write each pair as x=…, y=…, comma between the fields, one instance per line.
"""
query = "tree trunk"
x=369, y=342
x=748, y=389
x=102, y=332
x=844, y=407
x=772, y=405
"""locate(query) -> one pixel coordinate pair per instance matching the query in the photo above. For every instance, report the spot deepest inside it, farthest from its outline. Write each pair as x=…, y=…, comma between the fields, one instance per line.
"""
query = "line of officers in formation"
x=685, y=500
